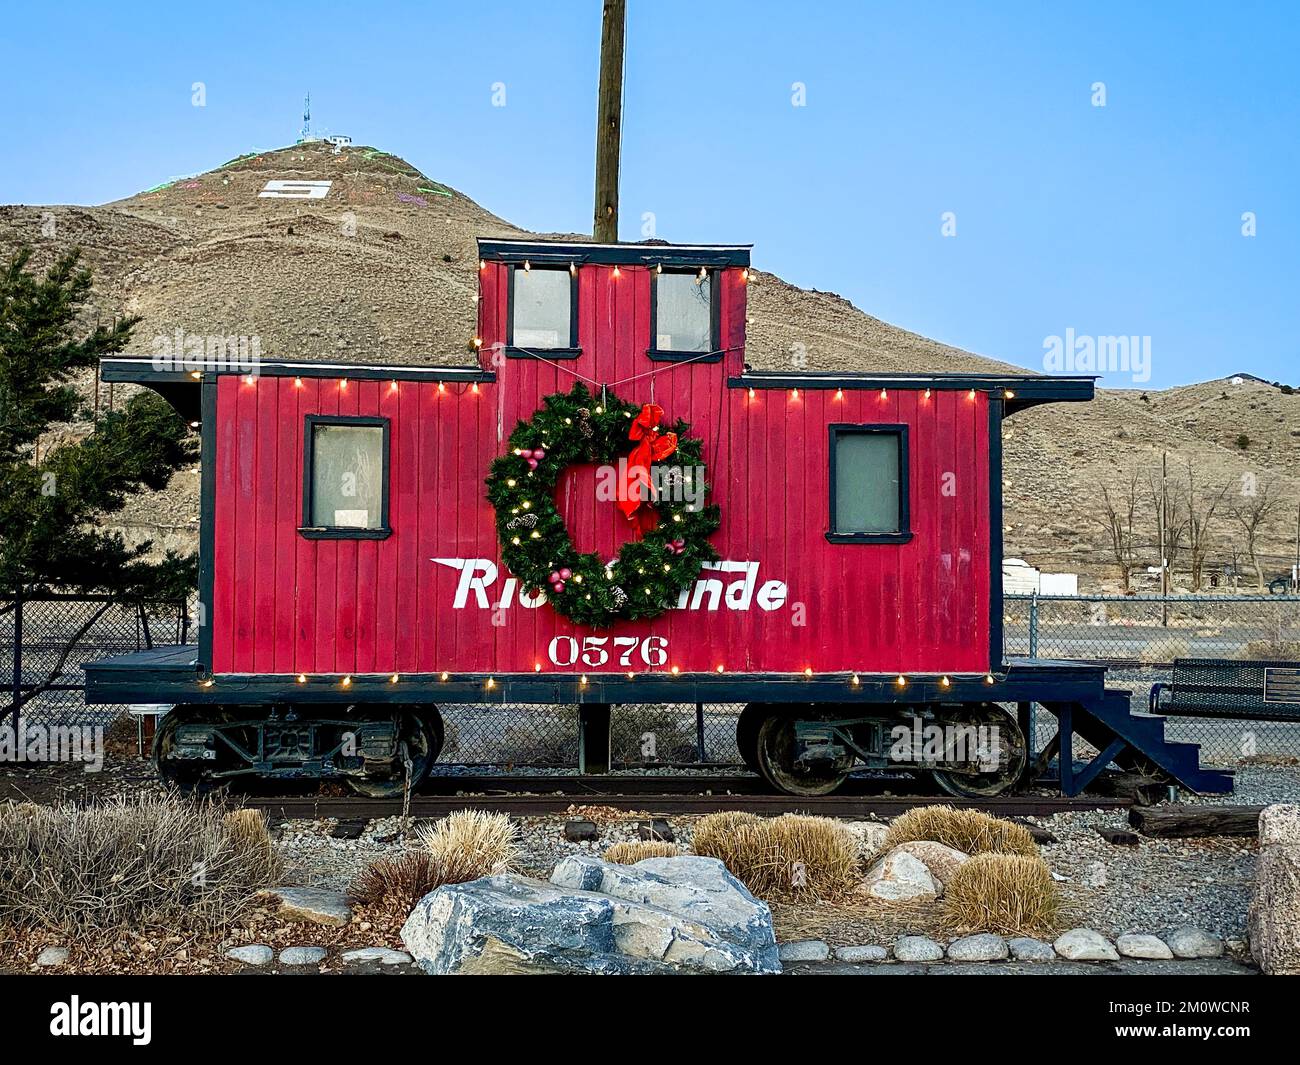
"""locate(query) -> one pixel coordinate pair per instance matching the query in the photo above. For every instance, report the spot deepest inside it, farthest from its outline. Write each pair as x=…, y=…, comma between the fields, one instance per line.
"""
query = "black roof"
x=650, y=253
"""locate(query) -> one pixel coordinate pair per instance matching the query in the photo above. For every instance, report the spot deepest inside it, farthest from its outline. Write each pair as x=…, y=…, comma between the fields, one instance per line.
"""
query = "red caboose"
x=609, y=508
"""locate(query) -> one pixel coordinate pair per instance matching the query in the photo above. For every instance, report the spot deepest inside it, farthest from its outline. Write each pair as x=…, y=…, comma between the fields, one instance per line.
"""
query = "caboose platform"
x=1074, y=692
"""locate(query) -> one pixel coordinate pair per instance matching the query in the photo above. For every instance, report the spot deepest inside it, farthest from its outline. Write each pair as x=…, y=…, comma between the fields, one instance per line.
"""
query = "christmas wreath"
x=658, y=493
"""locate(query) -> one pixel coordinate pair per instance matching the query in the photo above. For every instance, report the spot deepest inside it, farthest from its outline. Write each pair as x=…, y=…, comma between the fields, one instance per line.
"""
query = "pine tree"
x=51, y=507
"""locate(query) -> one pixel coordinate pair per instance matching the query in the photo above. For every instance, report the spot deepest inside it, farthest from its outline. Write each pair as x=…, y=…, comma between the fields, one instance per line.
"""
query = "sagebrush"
x=148, y=861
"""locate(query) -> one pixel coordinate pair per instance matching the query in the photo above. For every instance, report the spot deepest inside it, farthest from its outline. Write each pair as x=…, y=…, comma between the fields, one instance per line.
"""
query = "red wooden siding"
x=285, y=604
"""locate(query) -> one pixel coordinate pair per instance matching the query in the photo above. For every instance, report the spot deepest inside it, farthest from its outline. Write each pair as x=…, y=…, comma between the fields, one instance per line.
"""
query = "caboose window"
x=345, y=475
x=868, y=484
x=543, y=309
x=683, y=323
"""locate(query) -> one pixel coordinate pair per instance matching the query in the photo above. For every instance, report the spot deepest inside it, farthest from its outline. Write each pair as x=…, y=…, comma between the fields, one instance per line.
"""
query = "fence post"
x=699, y=732
x=1033, y=625
x=18, y=657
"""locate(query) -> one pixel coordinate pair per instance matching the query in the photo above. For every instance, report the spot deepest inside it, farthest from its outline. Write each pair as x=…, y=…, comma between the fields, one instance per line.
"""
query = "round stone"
x=1025, y=948
x=303, y=955
x=1085, y=944
x=1143, y=946
x=1190, y=942
x=917, y=948
x=982, y=947
x=859, y=954
x=253, y=954
x=805, y=950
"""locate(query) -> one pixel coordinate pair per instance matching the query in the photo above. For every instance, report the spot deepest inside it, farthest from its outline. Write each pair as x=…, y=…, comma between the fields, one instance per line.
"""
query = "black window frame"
x=904, y=533
x=714, y=354
x=342, y=532
x=571, y=350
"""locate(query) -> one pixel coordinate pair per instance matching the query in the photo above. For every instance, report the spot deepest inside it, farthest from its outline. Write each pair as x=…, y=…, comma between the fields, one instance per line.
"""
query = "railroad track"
x=653, y=795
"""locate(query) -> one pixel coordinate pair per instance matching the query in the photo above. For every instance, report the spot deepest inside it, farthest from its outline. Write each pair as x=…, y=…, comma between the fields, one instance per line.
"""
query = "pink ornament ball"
x=566, y=573
x=559, y=586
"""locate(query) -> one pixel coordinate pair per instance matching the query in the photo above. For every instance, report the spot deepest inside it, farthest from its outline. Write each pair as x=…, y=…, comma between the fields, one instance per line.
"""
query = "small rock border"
x=1078, y=944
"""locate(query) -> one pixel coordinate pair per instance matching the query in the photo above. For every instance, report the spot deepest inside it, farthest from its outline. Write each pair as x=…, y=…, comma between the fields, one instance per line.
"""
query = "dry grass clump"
x=970, y=831
x=392, y=886
x=141, y=862
x=790, y=856
x=635, y=851
x=248, y=828
x=468, y=844
x=1009, y=894
x=462, y=846
x=715, y=835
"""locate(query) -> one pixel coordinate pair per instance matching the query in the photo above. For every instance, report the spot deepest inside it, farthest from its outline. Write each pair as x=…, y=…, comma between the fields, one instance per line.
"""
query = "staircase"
x=1131, y=740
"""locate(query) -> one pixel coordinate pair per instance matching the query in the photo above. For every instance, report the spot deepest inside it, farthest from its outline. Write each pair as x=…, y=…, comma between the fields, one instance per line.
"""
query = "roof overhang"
x=1017, y=391
x=579, y=252
x=177, y=379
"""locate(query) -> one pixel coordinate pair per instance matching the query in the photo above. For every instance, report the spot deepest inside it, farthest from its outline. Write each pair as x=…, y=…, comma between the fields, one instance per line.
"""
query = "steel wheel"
x=1012, y=752
x=776, y=761
x=747, y=726
x=186, y=776
x=419, y=742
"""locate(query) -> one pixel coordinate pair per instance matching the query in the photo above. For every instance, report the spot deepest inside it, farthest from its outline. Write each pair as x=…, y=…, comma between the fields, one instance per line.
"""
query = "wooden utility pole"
x=1164, y=560
x=609, y=121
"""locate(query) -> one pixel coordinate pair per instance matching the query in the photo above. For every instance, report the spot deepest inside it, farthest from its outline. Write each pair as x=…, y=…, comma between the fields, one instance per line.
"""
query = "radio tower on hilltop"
x=304, y=135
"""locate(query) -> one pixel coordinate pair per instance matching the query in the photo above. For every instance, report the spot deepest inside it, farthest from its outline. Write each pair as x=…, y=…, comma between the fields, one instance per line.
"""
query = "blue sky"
x=1117, y=220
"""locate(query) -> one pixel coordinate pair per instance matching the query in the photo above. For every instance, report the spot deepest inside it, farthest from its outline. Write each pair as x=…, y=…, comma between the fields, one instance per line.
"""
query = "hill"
x=383, y=268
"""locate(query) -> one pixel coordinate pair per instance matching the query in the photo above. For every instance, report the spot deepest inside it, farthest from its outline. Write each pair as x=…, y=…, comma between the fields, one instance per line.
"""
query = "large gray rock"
x=917, y=948
x=1274, y=917
x=596, y=917
x=1143, y=946
x=310, y=905
x=696, y=888
x=1192, y=942
x=941, y=860
x=985, y=946
x=900, y=877
x=1279, y=825
x=1084, y=944
x=869, y=835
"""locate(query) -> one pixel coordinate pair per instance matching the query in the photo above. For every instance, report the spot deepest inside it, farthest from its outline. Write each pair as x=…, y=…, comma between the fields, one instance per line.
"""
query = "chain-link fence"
x=44, y=639
x=1139, y=637
x=642, y=735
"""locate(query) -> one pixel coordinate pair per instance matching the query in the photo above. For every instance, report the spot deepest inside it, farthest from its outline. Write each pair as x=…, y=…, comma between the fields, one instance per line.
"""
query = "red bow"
x=635, y=491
